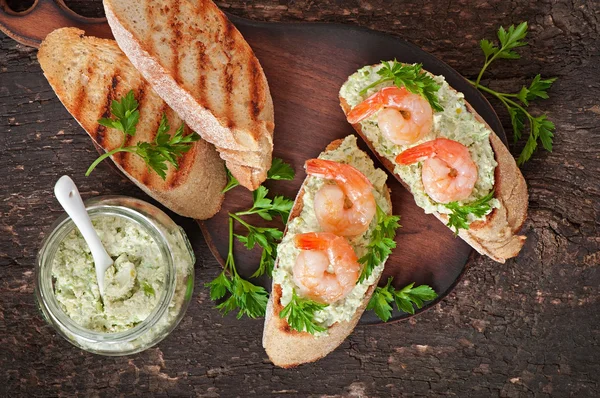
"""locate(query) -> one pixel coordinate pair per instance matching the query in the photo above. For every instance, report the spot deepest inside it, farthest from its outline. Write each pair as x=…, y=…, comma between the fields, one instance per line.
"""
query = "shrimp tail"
x=388, y=96
x=314, y=240
x=335, y=171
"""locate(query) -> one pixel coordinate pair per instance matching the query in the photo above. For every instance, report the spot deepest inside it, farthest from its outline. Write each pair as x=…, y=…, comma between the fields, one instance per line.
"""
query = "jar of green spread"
x=147, y=290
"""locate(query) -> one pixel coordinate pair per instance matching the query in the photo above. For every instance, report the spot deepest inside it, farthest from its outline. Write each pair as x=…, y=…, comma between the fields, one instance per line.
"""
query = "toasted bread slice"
x=498, y=236
x=289, y=348
x=87, y=73
x=200, y=64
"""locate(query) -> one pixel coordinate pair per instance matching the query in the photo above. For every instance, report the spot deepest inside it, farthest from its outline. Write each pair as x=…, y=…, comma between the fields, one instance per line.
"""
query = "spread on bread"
x=343, y=306
x=430, y=138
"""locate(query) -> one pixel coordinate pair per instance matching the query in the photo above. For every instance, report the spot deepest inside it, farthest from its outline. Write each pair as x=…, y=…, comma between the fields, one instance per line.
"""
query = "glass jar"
x=176, y=253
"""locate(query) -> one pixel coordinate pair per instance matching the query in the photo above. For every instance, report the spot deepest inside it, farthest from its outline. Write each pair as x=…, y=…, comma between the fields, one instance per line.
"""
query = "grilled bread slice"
x=498, y=235
x=287, y=347
x=200, y=64
x=87, y=73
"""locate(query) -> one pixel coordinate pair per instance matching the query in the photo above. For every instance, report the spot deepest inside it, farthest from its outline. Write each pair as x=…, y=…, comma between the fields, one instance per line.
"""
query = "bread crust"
x=220, y=91
x=289, y=348
x=87, y=73
x=498, y=236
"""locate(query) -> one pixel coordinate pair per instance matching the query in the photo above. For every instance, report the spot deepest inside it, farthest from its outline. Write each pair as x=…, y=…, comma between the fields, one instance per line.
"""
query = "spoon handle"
x=68, y=196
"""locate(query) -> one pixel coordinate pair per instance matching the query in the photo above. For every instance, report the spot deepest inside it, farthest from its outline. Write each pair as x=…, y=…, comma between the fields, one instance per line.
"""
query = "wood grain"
x=305, y=89
x=528, y=328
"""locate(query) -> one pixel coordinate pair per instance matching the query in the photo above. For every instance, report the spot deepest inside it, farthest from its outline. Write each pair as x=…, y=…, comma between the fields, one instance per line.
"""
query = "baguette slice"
x=87, y=73
x=498, y=236
x=200, y=64
x=288, y=348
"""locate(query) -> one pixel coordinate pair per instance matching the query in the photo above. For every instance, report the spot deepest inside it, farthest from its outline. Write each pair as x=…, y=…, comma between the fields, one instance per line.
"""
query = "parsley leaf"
x=268, y=208
x=406, y=299
x=279, y=171
x=541, y=129
x=247, y=298
x=410, y=76
x=232, y=182
x=126, y=113
x=381, y=243
x=300, y=312
x=459, y=218
x=165, y=148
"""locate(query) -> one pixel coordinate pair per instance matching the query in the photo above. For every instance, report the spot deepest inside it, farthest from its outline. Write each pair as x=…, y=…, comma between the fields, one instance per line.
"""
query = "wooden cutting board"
x=305, y=65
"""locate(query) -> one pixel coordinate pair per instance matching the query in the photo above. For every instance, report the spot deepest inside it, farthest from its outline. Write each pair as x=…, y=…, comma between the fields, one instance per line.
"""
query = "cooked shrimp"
x=448, y=174
x=327, y=268
x=347, y=206
x=404, y=117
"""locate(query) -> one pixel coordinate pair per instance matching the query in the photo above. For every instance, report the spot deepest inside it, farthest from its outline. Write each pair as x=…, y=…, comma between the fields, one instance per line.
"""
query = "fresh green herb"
x=247, y=298
x=148, y=289
x=458, y=219
x=300, y=312
x=232, y=182
x=266, y=238
x=406, y=299
x=279, y=171
x=165, y=148
x=410, y=76
x=126, y=113
x=541, y=129
x=381, y=244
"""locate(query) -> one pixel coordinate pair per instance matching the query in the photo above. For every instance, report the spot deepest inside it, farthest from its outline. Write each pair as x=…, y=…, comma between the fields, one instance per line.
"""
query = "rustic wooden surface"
x=530, y=327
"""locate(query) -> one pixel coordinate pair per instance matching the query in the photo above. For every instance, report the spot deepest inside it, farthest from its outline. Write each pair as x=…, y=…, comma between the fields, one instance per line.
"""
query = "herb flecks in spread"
x=541, y=129
x=344, y=309
x=405, y=299
x=165, y=148
x=454, y=122
x=247, y=298
x=133, y=285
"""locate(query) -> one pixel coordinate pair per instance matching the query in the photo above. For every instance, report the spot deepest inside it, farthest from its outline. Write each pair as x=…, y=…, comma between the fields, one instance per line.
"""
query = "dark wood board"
x=306, y=64
x=527, y=328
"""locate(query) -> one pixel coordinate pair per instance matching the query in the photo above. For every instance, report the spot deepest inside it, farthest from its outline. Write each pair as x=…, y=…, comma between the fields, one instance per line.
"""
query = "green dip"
x=454, y=122
x=344, y=309
x=133, y=285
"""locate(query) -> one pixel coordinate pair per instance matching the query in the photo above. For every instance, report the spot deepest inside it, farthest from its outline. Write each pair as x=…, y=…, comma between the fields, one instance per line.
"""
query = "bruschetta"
x=432, y=140
x=320, y=287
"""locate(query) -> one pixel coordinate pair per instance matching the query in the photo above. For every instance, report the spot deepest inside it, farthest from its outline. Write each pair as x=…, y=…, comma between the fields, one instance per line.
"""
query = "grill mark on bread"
x=202, y=97
x=255, y=89
x=175, y=26
x=77, y=104
x=227, y=74
x=110, y=95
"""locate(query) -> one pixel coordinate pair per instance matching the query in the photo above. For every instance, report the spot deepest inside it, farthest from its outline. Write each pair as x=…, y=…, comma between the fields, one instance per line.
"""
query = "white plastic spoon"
x=68, y=196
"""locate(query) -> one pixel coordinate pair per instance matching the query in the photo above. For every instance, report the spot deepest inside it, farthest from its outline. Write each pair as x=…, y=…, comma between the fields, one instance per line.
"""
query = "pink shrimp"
x=448, y=174
x=347, y=206
x=403, y=118
x=327, y=268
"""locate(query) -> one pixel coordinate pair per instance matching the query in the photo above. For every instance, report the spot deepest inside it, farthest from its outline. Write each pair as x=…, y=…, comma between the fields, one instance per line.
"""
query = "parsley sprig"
x=406, y=299
x=300, y=312
x=541, y=129
x=410, y=76
x=459, y=217
x=165, y=148
x=381, y=243
x=247, y=298
x=279, y=171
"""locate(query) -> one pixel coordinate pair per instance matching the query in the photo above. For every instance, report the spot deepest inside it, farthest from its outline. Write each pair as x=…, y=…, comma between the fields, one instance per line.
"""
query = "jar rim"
x=64, y=226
